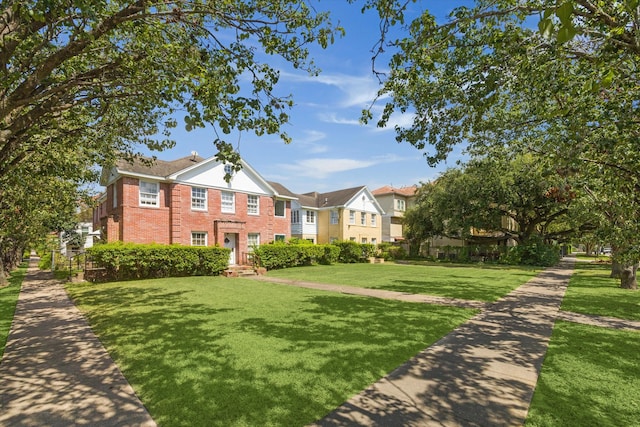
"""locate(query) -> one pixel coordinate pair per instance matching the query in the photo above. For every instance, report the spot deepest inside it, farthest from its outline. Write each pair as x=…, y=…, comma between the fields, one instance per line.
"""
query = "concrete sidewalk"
x=481, y=374
x=55, y=372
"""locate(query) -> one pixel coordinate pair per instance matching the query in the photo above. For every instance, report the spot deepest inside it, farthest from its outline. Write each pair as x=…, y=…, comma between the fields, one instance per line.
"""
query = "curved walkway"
x=55, y=372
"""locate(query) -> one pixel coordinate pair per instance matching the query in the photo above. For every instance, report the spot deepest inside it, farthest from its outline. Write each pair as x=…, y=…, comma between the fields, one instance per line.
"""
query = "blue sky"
x=331, y=150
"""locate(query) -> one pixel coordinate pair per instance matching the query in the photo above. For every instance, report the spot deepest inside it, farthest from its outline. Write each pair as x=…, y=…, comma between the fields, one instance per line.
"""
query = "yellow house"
x=350, y=214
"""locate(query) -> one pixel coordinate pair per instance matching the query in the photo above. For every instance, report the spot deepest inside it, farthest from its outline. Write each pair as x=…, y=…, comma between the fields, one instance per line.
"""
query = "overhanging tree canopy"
x=106, y=75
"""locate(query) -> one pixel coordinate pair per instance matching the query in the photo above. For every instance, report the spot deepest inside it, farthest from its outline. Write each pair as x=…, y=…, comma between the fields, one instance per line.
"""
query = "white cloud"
x=333, y=118
x=309, y=142
x=325, y=167
x=321, y=168
x=359, y=91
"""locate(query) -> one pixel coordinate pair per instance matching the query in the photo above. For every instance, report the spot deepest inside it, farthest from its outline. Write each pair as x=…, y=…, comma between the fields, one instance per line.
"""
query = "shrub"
x=389, y=251
x=352, y=252
x=533, y=253
x=284, y=255
x=126, y=261
x=331, y=254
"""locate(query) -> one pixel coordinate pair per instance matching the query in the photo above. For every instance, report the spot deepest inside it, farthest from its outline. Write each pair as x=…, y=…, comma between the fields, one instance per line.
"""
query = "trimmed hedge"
x=353, y=252
x=284, y=255
x=128, y=261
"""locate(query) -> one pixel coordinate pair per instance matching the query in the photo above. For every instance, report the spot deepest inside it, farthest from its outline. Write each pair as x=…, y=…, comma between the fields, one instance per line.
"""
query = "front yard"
x=206, y=351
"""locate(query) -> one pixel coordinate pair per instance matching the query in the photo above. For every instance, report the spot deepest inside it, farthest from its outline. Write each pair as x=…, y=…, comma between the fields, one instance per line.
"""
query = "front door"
x=230, y=242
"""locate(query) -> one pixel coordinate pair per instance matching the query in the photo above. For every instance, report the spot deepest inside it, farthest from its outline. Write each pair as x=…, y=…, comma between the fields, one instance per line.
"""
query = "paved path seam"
x=55, y=372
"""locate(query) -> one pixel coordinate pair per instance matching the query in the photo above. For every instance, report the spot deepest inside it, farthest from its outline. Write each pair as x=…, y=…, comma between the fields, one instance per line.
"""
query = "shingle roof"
x=160, y=168
x=404, y=191
x=281, y=189
x=339, y=197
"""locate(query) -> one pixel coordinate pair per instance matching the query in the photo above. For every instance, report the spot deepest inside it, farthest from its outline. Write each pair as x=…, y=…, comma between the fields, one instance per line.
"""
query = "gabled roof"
x=160, y=168
x=334, y=199
x=150, y=167
x=172, y=170
x=403, y=191
x=338, y=197
x=282, y=190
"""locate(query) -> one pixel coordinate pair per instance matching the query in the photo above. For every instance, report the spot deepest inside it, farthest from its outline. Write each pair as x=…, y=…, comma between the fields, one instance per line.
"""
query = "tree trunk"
x=616, y=270
x=3, y=274
x=628, y=277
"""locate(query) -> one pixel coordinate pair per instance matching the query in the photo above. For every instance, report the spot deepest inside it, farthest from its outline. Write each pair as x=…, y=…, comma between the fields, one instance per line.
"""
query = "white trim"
x=284, y=211
x=205, y=201
x=250, y=205
x=140, y=193
x=233, y=202
x=206, y=237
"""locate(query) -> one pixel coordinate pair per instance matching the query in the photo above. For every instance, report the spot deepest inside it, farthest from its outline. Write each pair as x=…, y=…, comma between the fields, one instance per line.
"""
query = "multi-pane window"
x=228, y=202
x=280, y=237
x=295, y=217
x=352, y=217
x=311, y=217
x=199, y=198
x=279, y=208
x=363, y=218
x=400, y=205
x=352, y=239
x=253, y=207
x=334, y=217
x=253, y=240
x=364, y=240
x=374, y=220
x=198, y=238
x=374, y=241
x=149, y=193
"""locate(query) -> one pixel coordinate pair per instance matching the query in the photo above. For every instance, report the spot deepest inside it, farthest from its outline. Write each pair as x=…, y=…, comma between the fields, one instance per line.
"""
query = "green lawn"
x=592, y=291
x=464, y=282
x=8, y=299
x=590, y=377
x=208, y=351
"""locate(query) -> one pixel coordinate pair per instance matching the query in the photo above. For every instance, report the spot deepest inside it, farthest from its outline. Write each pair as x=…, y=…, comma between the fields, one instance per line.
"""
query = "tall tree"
x=553, y=77
x=106, y=75
x=516, y=197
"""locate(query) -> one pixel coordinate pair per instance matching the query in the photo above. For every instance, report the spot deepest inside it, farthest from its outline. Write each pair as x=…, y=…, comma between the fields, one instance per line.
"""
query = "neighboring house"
x=349, y=214
x=187, y=201
x=394, y=202
x=85, y=229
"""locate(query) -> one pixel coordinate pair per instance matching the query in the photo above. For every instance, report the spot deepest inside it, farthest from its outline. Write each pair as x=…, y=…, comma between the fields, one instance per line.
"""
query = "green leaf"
x=564, y=12
x=566, y=33
x=607, y=79
x=545, y=26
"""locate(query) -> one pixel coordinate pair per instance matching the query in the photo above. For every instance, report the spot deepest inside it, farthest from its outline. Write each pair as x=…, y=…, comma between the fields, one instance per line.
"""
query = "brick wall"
x=174, y=220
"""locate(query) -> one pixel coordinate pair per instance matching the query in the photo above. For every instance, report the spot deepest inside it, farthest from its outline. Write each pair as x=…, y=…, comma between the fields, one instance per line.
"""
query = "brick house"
x=187, y=201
